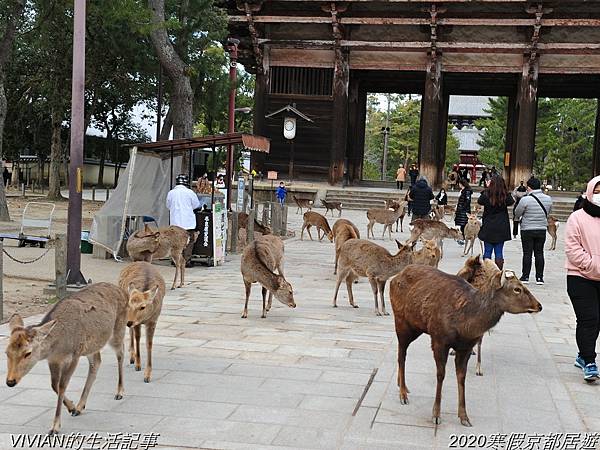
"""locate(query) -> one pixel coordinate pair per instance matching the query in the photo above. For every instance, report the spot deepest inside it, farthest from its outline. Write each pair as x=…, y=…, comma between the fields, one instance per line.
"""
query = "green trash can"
x=86, y=246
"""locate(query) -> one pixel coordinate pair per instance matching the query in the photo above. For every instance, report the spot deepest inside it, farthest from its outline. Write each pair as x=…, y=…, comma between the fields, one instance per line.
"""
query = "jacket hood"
x=423, y=184
x=590, y=187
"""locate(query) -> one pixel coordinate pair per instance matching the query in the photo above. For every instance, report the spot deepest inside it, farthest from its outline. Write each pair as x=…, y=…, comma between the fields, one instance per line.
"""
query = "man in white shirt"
x=182, y=202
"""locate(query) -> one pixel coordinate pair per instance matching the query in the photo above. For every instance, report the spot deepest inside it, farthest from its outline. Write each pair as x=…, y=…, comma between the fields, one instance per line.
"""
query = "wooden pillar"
x=442, y=138
x=596, y=154
x=521, y=161
x=510, y=138
x=431, y=108
x=341, y=77
x=261, y=93
x=357, y=110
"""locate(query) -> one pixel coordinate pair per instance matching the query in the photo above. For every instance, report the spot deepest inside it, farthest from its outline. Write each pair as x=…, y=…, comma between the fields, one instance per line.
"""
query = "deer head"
x=139, y=305
x=455, y=234
x=512, y=296
x=284, y=292
x=26, y=346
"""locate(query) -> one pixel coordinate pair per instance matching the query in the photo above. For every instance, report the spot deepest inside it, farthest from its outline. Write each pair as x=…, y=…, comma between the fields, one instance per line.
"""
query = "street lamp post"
x=232, y=48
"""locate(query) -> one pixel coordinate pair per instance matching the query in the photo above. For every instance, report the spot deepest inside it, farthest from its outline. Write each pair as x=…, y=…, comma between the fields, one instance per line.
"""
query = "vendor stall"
x=140, y=196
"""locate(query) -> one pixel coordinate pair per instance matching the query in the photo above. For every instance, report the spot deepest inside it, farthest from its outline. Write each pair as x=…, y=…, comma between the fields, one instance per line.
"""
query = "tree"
x=493, y=140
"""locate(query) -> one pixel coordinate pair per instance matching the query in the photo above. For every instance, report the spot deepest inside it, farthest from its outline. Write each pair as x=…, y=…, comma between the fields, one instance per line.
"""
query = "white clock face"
x=289, y=125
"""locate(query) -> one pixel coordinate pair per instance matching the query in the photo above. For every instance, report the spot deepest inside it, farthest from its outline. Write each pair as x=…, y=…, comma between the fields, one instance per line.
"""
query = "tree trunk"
x=100, y=182
x=55, y=158
x=165, y=132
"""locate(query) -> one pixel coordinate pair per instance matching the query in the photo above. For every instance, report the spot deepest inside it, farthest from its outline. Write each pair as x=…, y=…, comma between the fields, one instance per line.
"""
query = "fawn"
x=320, y=222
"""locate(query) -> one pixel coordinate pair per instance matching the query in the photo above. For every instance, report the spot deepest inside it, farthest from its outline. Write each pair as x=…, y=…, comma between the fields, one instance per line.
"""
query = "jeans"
x=533, y=242
x=585, y=297
x=489, y=248
x=281, y=200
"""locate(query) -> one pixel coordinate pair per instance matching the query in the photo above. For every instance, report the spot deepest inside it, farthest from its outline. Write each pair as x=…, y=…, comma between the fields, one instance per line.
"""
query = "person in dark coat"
x=6, y=176
x=421, y=196
x=407, y=199
x=495, y=229
x=442, y=198
x=579, y=202
x=413, y=173
x=463, y=207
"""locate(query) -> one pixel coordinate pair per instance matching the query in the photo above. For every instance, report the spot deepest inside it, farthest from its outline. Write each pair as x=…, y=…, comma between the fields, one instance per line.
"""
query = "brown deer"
x=385, y=216
x=146, y=288
x=331, y=206
x=302, y=203
x=455, y=315
x=552, y=228
x=259, y=261
x=471, y=233
x=432, y=229
x=79, y=325
x=437, y=212
x=429, y=254
x=398, y=205
x=362, y=258
x=479, y=273
x=258, y=227
x=343, y=230
x=320, y=222
x=146, y=245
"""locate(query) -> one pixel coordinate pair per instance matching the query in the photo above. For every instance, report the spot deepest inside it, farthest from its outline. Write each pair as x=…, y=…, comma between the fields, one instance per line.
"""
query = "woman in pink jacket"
x=582, y=246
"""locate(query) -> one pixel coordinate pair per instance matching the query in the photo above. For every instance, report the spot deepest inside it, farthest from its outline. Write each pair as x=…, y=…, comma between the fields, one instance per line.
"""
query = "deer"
x=362, y=258
x=79, y=325
x=331, y=206
x=258, y=265
x=258, y=227
x=398, y=205
x=455, y=315
x=432, y=229
x=437, y=212
x=343, y=230
x=302, y=203
x=146, y=245
x=429, y=254
x=145, y=287
x=320, y=222
x=385, y=216
x=552, y=228
x=471, y=233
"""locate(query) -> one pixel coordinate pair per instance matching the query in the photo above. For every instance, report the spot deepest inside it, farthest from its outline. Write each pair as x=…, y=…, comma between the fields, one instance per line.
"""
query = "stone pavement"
x=318, y=377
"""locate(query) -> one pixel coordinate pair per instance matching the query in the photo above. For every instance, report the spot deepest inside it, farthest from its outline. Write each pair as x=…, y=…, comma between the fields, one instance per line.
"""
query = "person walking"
x=408, y=200
x=181, y=202
x=532, y=211
x=582, y=247
x=495, y=228
x=463, y=207
x=400, y=177
x=6, y=176
x=281, y=193
x=484, y=177
x=413, y=173
x=421, y=196
x=442, y=198
x=519, y=192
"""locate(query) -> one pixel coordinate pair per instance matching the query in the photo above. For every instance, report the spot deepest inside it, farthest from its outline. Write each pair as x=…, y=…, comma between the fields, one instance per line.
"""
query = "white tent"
x=141, y=192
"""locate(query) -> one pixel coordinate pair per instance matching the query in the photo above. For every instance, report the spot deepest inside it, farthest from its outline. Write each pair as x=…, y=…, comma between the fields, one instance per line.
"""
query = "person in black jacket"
x=463, y=207
x=495, y=230
x=442, y=197
x=579, y=202
x=421, y=196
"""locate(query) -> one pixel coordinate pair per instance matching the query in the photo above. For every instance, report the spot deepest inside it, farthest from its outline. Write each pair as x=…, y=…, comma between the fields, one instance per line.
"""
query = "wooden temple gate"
x=325, y=57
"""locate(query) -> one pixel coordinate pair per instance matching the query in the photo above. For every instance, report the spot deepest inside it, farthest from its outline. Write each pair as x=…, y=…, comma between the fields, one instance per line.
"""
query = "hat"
x=182, y=179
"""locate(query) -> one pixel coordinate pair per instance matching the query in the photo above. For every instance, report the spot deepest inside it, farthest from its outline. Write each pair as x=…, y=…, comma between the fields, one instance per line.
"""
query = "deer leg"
x=405, y=336
x=337, y=257
x=440, y=353
x=54, y=379
x=375, y=289
x=137, y=331
x=382, y=234
x=150, y=327
x=349, y=282
x=319, y=233
x=116, y=342
x=248, y=287
x=401, y=227
x=340, y=214
x=340, y=276
x=381, y=286
x=94, y=361
x=131, y=346
x=478, y=370
x=302, y=232
x=461, y=361
x=269, y=301
x=182, y=262
x=264, y=298
x=308, y=227
x=66, y=371
x=176, y=262
x=465, y=250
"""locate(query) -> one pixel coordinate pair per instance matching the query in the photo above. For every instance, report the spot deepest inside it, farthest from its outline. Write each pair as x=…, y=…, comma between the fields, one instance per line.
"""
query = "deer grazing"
x=320, y=222
x=343, y=230
x=330, y=206
x=259, y=262
x=302, y=203
x=362, y=258
x=552, y=228
x=455, y=315
x=398, y=205
x=429, y=254
x=146, y=289
x=471, y=233
x=146, y=245
x=258, y=227
x=79, y=325
x=385, y=216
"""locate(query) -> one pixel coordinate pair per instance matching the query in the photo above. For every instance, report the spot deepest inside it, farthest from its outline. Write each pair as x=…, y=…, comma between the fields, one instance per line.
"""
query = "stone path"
x=318, y=377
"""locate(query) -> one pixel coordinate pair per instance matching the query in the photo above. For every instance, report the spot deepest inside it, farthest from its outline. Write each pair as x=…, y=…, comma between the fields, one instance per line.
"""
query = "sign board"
x=271, y=175
x=240, y=194
x=204, y=242
x=506, y=159
x=219, y=233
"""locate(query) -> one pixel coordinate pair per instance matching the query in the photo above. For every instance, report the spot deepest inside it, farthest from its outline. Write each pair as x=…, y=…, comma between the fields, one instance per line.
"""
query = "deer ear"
x=131, y=289
x=42, y=331
x=151, y=294
x=15, y=322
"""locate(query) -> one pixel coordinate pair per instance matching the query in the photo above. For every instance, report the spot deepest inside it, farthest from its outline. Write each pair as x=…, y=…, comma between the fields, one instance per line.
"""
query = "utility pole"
x=386, y=132
x=74, y=275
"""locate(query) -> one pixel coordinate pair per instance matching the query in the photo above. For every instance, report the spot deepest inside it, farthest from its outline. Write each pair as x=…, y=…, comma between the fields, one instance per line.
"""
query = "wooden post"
x=284, y=215
x=596, y=154
x=341, y=77
x=522, y=158
x=60, y=265
x=234, y=232
x=93, y=193
x=250, y=228
x=107, y=194
x=510, y=139
x=261, y=91
x=267, y=214
x=1, y=278
x=442, y=138
x=23, y=189
x=430, y=118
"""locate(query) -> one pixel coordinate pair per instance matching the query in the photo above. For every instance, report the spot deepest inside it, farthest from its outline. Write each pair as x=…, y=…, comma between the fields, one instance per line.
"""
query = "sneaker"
x=539, y=280
x=524, y=279
x=579, y=362
x=590, y=372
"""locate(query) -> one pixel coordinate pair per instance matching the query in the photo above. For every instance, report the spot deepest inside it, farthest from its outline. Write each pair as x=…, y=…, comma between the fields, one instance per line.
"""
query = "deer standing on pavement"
x=146, y=289
x=319, y=222
x=398, y=205
x=79, y=325
x=258, y=265
x=471, y=233
x=343, y=230
x=552, y=228
x=146, y=245
x=455, y=315
x=385, y=216
x=331, y=206
x=302, y=203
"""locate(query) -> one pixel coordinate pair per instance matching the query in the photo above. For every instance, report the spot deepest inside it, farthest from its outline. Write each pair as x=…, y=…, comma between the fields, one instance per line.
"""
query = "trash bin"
x=86, y=246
